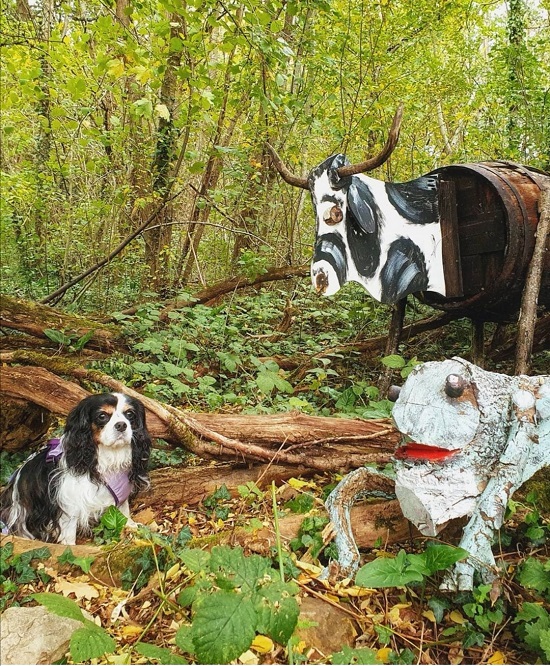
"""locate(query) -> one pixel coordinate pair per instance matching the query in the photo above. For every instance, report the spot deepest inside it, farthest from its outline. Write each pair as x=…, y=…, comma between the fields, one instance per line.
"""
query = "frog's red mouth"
x=414, y=451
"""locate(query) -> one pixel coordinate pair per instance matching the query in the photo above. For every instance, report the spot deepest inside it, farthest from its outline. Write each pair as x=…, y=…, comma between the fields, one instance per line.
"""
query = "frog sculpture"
x=471, y=438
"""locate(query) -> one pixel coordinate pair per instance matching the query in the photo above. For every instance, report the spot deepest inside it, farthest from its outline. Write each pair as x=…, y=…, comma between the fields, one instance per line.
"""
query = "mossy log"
x=33, y=319
x=294, y=439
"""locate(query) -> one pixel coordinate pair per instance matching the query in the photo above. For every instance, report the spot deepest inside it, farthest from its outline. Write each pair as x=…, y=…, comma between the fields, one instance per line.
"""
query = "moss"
x=539, y=484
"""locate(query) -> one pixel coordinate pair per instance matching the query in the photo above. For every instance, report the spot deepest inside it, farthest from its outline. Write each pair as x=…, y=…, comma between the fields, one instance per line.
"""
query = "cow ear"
x=361, y=204
x=335, y=181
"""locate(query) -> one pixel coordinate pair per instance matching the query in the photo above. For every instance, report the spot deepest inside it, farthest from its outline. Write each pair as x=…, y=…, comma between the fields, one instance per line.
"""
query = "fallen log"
x=295, y=439
x=34, y=319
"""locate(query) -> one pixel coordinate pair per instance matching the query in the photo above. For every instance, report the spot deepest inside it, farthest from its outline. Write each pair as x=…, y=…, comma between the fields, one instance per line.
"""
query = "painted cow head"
x=385, y=236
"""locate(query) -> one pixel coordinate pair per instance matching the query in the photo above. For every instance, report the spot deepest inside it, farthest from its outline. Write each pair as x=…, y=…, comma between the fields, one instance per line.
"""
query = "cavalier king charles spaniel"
x=100, y=460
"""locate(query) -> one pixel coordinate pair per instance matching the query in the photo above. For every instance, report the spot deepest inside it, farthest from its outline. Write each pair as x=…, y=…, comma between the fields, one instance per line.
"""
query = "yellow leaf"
x=131, y=630
x=262, y=644
x=383, y=655
x=173, y=571
x=298, y=484
x=115, y=67
x=249, y=658
x=310, y=568
x=429, y=615
x=162, y=111
x=497, y=658
x=457, y=617
x=394, y=615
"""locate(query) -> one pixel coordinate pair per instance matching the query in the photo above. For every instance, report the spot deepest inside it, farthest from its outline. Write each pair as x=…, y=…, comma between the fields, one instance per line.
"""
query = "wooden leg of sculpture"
x=361, y=483
x=528, y=312
x=392, y=343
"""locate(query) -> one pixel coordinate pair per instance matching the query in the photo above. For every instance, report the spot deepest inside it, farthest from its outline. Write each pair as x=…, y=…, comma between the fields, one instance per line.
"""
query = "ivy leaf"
x=90, y=642
x=113, y=519
x=160, y=654
x=387, y=572
x=223, y=627
x=67, y=557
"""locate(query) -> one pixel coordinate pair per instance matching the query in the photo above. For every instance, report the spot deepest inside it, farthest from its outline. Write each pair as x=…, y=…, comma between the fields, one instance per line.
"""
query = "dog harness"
x=119, y=484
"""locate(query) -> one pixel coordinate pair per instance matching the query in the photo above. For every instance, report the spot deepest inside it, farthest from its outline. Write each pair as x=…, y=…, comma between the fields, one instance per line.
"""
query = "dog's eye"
x=130, y=414
x=102, y=418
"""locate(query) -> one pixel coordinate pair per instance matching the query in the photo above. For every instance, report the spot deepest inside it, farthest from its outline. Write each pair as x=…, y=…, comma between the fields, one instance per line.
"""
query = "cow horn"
x=377, y=160
x=286, y=175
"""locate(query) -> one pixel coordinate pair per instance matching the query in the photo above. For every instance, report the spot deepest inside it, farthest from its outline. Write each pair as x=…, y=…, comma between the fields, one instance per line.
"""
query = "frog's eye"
x=455, y=386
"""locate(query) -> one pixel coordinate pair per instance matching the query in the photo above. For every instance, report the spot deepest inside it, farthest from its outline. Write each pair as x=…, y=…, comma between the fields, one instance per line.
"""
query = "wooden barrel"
x=489, y=215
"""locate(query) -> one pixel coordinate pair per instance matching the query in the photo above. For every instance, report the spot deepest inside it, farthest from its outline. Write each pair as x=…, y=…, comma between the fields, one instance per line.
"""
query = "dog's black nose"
x=121, y=426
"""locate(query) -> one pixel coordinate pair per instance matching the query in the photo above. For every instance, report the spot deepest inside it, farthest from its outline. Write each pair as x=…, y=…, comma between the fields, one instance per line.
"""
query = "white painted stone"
x=34, y=636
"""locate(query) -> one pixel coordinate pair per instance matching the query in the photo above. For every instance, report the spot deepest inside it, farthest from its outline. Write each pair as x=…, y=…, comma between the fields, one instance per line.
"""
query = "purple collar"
x=118, y=484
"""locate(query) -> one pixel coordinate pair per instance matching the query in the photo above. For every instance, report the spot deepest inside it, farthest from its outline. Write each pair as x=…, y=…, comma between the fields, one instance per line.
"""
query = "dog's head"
x=107, y=421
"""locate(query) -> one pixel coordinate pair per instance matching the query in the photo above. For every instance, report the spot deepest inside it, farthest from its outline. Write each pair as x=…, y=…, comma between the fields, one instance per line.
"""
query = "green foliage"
x=358, y=656
x=110, y=526
x=72, y=341
x=17, y=570
x=533, y=627
x=84, y=563
x=88, y=642
x=397, y=362
x=214, y=503
x=233, y=598
x=405, y=569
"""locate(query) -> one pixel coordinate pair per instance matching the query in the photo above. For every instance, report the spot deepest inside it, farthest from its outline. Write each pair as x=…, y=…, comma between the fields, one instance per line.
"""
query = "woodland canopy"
x=149, y=245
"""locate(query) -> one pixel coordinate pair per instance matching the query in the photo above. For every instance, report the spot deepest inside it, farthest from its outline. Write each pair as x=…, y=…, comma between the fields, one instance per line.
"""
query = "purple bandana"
x=118, y=484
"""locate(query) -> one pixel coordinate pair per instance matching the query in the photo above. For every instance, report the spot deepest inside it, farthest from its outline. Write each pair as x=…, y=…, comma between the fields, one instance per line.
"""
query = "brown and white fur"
x=53, y=497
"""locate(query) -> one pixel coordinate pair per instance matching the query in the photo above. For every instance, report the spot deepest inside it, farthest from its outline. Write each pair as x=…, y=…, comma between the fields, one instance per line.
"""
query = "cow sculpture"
x=385, y=236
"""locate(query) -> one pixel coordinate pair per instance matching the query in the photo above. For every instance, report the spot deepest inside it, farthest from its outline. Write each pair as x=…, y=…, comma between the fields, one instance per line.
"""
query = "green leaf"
x=277, y=610
x=534, y=575
x=394, y=361
x=83, y=340
x=160, y=654
x=57, y=336
x=90, y=642
x=59, y=605
x=195, y=559
x=69, y=558
x=354, y=656
x=530, y=611
x=545, y=642
x=223, y=627
x=265, y=382
x=245, y=572
x=301, y=503
x=440, y=556
x=113, y=519
x=184, y=639
x=387, y=572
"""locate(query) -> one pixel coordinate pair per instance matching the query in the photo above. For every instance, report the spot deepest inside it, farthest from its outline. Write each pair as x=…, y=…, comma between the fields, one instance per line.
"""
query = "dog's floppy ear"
x=78, y=443
x=141, y=448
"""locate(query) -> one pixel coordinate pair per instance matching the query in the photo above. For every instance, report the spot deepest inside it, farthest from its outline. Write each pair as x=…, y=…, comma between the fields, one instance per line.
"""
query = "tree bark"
x=295, y=439
x=528, y=312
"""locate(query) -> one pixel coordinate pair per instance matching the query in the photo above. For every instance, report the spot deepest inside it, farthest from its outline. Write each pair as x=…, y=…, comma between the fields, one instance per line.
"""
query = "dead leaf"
x=80, y=589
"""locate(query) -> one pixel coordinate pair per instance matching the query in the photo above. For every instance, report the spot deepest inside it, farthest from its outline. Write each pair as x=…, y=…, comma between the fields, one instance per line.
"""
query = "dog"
x=100, y=460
